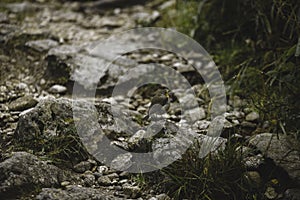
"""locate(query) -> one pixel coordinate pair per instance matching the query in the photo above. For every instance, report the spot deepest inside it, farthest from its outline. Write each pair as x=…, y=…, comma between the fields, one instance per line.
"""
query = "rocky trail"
x=65, y=136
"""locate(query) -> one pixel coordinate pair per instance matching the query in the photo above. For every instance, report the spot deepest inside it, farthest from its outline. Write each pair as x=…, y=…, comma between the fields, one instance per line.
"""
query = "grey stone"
x=124, y=174
x=25, y=112
x=217, y=125
x=93, y=162
x=167, y=57
x=65, y=183
x=23, y=86
x=138, y=136
x=64, y=51
x=171, y=148
x=22, y=7
x=145, y=18
x=246, y=124
x=113, y=176
x=57, y=89
x=253, y=116
x=53, y=121
x=202, y=124
x=188, y=100
x=102, y=169
x=87, y=71
x=105, y=4
x=253, y=162
x=88, y=179
x=237, y=102
x=22, y=103
x=3, y=18
x=292, y=194
x=111, y=22
x=284, y=150
x=234, y=115
x=166, y=150
x=65, y=121
x=122, y=162
x=24, y=171
x=87, y=65
x=104, y=180
x=195, y=114
x=163, y=197
x=131, y=191
x=141, y=139
x=74, y=193
x=82, y=166
x=42, y=45
x=123, y=181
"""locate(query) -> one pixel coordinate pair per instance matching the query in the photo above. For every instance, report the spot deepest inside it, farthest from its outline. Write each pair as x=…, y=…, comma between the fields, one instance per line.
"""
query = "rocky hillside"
x=77, y=119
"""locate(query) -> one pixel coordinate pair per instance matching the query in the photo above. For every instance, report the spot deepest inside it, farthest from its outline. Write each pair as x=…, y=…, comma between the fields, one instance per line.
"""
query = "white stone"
x=253, y=116
x=58, y=89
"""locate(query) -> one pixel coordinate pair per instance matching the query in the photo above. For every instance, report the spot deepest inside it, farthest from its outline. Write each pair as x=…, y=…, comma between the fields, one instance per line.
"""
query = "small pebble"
x=88, y=179
x=42, y=81
x=65, y=183
x=104, y=180
x=102, y=169
x=132, y=191
x=58, y=89
x=253, y=116
x=271, y=193
x=246, y=124
x=22, y=86
x=163, y=197
x=82, y=166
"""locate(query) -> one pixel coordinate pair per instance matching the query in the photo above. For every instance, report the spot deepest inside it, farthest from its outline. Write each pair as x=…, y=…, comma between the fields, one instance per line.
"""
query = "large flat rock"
x=283, y=150
x=24, y=172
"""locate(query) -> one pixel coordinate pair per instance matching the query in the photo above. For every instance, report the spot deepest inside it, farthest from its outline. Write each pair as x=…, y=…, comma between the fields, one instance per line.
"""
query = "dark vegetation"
x=218, y=176
x=256, y=45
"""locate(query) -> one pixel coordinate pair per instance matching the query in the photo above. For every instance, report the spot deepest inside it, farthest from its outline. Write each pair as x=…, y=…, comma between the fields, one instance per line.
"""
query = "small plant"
x=220, y=175
x=65, y=148
x=182, y=16
x=139, y=179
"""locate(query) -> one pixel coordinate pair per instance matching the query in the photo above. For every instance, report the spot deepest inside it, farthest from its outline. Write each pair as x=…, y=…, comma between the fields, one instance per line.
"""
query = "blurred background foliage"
x=256, y=45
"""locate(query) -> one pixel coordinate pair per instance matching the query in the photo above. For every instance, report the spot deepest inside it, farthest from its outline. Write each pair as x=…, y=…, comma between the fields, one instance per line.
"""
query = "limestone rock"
x=58, y=89
x=42, y=45
x=253, y=116
x=51, y=123
x=283, y=150
x=122, y=162
x=24, y=171
x=74, y=193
